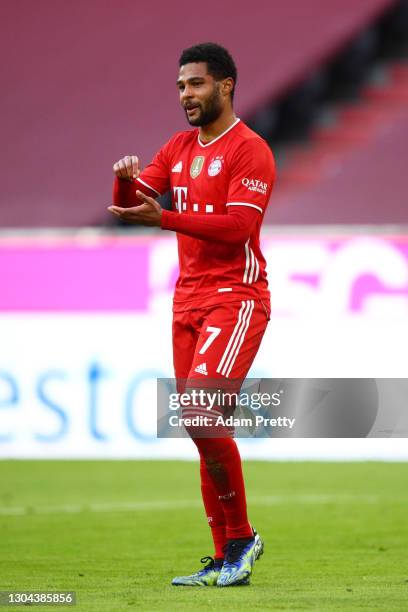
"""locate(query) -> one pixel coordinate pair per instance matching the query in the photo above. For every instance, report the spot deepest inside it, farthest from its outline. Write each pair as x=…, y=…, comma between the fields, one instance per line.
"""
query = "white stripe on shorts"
x=240, y=342
x=231, y=340
x=236, y=339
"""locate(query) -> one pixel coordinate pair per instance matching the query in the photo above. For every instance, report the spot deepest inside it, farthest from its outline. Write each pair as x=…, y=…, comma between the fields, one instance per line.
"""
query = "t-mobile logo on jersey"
x=179, y=194
x=180, y=202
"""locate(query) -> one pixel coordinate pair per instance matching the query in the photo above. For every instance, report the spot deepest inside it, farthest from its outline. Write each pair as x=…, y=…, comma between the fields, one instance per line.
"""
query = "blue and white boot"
x=239, y=560
x=208, y=576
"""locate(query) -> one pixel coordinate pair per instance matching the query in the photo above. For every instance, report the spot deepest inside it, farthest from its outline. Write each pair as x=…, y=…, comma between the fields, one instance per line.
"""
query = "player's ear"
x=227, y=86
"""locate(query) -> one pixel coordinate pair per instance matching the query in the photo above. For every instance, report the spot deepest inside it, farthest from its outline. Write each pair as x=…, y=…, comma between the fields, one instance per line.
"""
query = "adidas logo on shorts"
x=202, y=369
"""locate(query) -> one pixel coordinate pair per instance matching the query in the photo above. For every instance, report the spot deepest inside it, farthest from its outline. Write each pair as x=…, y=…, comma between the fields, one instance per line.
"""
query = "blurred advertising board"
x=85, y=331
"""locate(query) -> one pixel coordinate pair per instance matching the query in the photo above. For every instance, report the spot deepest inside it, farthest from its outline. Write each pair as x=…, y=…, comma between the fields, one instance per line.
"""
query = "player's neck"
x=213, y=130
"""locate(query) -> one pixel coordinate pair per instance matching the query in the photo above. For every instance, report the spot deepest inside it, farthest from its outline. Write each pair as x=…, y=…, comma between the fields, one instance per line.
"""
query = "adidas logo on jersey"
x=202, y=369
x=178, y=167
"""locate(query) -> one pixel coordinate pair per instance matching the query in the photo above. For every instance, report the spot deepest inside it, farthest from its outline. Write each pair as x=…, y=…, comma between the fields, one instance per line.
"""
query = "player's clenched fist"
x=127, y=167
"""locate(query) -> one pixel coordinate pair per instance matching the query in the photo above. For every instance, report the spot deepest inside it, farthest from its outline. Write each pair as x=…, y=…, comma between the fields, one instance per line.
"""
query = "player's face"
x=200, y=94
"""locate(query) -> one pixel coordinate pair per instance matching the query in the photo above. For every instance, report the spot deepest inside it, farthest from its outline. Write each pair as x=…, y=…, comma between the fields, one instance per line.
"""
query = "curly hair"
x=219, y=61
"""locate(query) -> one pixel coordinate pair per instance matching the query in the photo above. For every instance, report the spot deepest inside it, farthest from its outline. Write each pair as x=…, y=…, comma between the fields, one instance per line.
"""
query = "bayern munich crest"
x=215, y=166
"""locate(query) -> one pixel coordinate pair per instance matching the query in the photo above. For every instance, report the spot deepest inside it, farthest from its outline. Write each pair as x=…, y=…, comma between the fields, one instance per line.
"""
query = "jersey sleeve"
x=156, y=175
x=233, y=228
x=153, y=181
x=252, y=175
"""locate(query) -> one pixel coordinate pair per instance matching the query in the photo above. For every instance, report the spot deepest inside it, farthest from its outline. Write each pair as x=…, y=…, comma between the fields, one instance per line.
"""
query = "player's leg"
x=185, y=337
x=230, y=338
x=208, y=576
x=214, y=511
x=186, y=332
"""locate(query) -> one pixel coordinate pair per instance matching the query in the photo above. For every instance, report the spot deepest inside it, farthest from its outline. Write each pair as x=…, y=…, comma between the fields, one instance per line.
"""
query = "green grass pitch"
x=116, y=532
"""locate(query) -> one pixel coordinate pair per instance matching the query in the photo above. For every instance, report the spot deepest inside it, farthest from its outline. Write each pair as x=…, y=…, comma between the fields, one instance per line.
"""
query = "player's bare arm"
x=149, y=213
x=127, y=167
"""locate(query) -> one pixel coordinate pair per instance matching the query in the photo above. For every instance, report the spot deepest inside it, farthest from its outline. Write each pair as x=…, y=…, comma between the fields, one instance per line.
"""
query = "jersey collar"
x=218, y=137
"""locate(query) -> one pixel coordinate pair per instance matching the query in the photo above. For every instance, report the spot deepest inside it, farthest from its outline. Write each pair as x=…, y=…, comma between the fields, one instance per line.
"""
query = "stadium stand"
x=74, y=104
x=353, y=171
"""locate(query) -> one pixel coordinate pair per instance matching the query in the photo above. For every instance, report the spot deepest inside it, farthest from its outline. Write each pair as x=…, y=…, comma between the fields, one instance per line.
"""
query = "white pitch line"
x=314, y=499
x=159, y=505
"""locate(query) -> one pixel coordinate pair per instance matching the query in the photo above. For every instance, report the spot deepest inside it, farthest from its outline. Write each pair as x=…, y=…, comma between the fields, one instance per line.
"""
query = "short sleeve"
x=252, y=175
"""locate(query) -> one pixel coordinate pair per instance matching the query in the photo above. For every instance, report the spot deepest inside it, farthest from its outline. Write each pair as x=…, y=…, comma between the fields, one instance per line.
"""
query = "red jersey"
x=232, y=174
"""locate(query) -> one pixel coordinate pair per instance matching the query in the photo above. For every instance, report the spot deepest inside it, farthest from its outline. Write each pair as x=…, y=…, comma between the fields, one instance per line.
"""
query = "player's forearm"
x=232, y=228
x=124, y=192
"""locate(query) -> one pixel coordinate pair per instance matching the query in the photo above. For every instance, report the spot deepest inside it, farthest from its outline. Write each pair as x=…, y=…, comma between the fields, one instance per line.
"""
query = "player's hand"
x=127, y=167
x=149, y=213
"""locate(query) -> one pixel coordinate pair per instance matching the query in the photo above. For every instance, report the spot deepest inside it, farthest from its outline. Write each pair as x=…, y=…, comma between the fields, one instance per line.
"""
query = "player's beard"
x=210, y=111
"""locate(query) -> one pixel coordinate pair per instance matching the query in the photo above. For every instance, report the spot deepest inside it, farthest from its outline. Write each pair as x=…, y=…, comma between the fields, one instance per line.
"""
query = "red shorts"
x=219, y=341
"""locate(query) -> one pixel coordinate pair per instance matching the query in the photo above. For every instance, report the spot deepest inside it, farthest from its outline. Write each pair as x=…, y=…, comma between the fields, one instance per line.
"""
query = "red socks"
x=223, y=490
x=214, y=512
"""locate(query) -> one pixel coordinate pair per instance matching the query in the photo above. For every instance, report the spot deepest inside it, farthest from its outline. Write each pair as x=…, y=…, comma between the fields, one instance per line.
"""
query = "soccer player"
x=220, y=176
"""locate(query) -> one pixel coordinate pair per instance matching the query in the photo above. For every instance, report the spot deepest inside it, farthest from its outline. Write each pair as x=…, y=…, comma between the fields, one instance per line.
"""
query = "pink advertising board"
x=85, y=331
x=105, y=273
